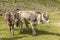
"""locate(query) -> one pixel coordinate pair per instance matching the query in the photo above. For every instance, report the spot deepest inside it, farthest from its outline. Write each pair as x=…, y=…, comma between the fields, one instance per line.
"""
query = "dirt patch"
x=1, y=35
x=57, y=24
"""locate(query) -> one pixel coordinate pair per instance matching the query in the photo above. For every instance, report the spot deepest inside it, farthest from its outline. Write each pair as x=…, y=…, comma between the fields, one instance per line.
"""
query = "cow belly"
x=28, y=17
x=25, y=17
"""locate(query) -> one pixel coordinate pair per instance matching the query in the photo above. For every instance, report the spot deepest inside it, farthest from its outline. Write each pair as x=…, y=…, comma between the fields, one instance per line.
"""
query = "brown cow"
x=11, y=20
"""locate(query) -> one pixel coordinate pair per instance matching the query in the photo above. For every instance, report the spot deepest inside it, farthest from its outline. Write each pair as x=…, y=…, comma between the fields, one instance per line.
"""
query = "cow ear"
x=45, y=13
x=18, y=11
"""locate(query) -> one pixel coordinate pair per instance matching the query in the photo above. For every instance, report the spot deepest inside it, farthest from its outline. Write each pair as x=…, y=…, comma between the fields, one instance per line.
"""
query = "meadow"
x=46, y=31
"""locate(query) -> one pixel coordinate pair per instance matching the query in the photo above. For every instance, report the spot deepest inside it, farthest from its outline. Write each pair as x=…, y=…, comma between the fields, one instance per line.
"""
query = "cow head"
x=45, y=18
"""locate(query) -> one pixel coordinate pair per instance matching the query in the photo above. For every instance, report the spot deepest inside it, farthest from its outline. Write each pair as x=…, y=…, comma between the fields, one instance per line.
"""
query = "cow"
x=33, y=18
x=12, y=19
x=27, y=17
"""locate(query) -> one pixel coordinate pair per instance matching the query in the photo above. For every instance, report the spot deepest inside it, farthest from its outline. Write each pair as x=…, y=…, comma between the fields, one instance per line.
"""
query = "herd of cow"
x=27, y=17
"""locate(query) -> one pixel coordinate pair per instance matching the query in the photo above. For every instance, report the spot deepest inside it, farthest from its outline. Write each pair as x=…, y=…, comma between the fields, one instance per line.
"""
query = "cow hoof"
x=34, y=34
x=12, y=34
x=21, y=31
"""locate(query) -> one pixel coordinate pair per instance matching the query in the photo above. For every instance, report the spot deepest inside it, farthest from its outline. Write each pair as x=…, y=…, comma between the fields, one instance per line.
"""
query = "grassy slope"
x=45, y=31
x=38, y=5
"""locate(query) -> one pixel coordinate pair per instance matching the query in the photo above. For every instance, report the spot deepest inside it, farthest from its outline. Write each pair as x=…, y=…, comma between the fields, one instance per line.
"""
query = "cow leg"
x=38, y=22
x=20, y=27
x=17, y=23
x=27, y=25
x=33, y=29
x=12, y=30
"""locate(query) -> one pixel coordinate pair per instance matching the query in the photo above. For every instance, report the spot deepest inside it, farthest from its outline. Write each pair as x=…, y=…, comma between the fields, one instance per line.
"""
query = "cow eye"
x=44, y=16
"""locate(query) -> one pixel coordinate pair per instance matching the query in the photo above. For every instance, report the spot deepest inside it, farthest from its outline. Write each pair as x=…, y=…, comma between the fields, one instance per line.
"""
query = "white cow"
x=33, y=18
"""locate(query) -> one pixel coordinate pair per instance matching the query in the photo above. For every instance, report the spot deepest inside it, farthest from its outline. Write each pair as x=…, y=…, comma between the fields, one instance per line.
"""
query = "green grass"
x=50, y=31
x=45, y=31
x=37, y=5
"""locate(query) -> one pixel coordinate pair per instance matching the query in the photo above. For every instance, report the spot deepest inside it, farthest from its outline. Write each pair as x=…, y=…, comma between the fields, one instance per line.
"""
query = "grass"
x=37, y=5
x=45, y=31
x=50, y=31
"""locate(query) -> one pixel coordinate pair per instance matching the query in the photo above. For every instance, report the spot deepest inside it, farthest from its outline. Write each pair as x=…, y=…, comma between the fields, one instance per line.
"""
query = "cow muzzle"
x=48, y=21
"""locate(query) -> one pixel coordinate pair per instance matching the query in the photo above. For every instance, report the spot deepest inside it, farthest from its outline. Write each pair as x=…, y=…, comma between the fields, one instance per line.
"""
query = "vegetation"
x=50, y=31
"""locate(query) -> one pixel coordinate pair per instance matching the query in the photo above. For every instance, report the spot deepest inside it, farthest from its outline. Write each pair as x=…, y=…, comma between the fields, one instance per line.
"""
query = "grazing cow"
x=33, y=18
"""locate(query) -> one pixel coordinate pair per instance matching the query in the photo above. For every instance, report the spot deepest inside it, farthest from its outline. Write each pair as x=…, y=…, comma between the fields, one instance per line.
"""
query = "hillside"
x=45, y=31
x=37, y=5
